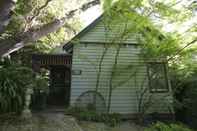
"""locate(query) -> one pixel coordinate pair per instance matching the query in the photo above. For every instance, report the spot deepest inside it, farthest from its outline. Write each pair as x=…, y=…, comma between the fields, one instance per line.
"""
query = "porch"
x=59, y=76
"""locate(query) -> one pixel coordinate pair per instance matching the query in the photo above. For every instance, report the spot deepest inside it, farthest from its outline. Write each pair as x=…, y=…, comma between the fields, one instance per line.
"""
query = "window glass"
x=157, y=74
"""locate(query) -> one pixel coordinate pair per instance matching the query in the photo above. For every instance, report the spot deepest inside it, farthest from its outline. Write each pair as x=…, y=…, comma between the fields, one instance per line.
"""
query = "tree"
x=147, y=19
x=5, y=13
x=24, y=22
x=150, y=17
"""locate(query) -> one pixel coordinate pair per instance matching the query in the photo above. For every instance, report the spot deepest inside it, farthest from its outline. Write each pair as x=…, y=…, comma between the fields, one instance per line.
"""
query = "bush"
x=186, y=100
x=14, y=80
x=41, y=90
x=13, y=83
x=111, y=119
x=159, y=126
x=190, y=102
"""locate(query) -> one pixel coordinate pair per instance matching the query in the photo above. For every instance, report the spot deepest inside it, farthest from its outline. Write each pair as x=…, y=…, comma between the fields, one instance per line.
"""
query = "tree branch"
x=37, y=11
x=30, y=36
x=83, y=8
x=35, y=34
x=179, y=51
x=89, y=4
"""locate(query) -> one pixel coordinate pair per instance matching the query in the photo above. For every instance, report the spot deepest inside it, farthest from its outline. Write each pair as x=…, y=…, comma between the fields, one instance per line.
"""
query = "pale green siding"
x=124, y=97
x=101, y=33
x=86, y=55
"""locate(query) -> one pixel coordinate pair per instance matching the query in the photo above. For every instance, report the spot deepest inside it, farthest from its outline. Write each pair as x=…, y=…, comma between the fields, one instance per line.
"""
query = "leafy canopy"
x=151, y=20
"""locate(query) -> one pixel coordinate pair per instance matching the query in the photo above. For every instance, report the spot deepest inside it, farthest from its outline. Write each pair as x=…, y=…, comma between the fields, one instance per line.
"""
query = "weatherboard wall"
x=103, y=33
x=131, y=72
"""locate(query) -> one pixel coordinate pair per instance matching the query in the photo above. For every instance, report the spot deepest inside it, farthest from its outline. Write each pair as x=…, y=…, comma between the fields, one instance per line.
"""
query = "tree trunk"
x=30, y=36
x=6, y=7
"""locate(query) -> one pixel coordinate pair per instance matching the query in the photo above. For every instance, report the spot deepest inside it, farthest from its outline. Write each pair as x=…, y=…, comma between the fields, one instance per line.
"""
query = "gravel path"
x=42, y=122
x=57, y=121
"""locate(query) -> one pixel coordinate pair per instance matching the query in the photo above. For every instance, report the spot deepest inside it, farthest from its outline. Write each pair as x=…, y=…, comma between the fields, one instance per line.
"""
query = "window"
x=157, y=75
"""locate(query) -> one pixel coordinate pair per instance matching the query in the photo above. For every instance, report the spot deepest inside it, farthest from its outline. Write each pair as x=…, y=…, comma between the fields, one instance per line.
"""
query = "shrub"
x=190, y=102
x=13, y=83
x=41, y=90
x=159, y=126
x=111, y=119
x=186, y=100
x=14, y=80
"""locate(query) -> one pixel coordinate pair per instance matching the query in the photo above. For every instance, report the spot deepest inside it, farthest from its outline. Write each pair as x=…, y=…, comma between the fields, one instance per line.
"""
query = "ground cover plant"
x=111, y=119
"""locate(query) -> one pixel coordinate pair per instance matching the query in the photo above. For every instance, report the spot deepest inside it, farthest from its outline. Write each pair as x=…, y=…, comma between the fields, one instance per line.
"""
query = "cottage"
x=110, y=69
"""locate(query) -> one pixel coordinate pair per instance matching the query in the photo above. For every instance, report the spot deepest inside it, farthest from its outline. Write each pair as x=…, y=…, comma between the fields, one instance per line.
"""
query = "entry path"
x=43, y=121
x=57, y=121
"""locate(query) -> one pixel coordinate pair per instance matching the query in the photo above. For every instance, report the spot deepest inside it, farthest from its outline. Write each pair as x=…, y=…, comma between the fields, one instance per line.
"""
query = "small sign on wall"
x=76, y=72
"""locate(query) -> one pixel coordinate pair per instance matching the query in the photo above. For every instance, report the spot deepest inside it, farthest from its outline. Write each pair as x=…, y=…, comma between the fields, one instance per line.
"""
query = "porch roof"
x=46, y=60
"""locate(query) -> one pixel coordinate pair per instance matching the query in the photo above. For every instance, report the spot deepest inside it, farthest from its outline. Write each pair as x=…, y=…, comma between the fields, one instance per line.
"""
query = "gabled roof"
x=69, y=45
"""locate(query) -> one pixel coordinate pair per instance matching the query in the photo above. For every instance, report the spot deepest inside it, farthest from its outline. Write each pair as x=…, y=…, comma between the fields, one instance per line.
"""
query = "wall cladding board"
x=124, y=97
x=101, y=33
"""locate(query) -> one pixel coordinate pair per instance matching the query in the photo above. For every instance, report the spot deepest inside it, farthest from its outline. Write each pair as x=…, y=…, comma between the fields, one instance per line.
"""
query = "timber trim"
x=45, y=60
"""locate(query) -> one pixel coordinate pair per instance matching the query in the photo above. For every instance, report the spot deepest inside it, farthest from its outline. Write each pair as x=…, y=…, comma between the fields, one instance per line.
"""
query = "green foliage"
x=21, y=22
x=148, y=20
x=14, y=80
x=41, y=91
x=183, y=67
x=24, y=56
x=158, y=46
x=23, y=7
x=46, y=44
x=159, y=126
x=190, y=102
x=111, y=119
x=41, y=83
x=185, y=92
x=145, y=20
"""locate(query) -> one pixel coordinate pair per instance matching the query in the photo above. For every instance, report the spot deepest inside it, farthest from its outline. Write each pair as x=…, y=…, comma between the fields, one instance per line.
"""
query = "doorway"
x=59, y=88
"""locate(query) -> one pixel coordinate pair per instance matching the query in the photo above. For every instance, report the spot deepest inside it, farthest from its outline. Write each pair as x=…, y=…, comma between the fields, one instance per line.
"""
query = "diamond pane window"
x=157, y=75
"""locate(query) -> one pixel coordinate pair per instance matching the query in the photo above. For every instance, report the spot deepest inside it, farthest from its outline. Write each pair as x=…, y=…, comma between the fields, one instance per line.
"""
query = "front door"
x=59, y=90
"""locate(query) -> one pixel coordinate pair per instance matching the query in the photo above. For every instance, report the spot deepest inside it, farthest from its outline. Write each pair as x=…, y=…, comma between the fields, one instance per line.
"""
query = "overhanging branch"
x=37, y=11
x=32, y=34
x=180, y=50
